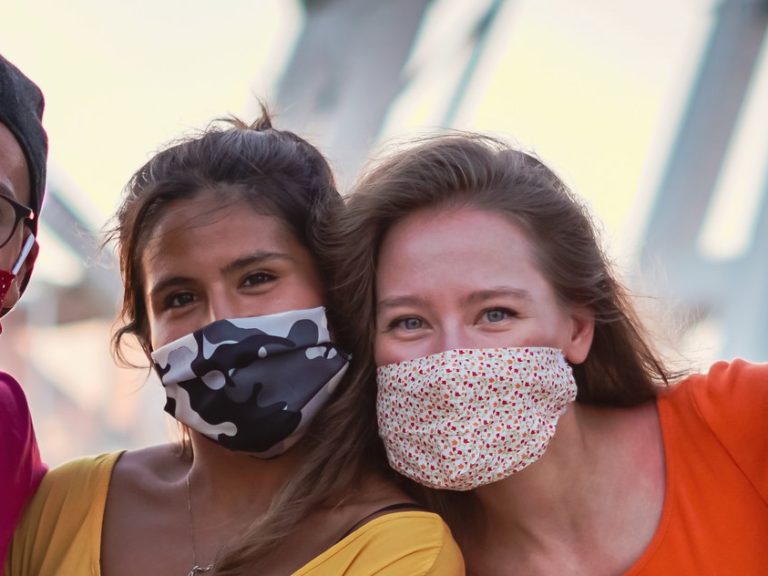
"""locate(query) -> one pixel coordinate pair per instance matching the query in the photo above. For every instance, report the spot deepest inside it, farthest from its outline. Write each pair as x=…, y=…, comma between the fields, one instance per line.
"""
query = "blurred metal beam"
x=745, y=305
x=100, y=291
x=706, y=129
x=479, y=42
x=724, y=289
x=337, y=92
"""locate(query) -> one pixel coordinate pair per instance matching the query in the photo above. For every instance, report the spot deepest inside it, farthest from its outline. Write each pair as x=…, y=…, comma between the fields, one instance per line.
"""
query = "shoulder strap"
x=381, y=512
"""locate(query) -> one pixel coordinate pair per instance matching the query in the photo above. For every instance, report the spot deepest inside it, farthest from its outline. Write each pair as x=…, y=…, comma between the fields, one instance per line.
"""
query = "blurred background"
x=656, y=112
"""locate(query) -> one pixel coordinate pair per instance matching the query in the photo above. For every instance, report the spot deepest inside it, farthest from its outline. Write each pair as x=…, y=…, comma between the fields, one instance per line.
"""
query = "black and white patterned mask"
x=252, y=384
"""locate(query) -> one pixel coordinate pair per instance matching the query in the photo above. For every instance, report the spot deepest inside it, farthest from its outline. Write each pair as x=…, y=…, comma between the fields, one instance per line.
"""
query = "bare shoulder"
x=149, y=466
x=144, y=499
x=141, y=476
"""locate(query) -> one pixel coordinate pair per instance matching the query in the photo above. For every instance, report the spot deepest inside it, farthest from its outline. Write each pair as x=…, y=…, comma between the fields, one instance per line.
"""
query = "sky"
x=123, y=78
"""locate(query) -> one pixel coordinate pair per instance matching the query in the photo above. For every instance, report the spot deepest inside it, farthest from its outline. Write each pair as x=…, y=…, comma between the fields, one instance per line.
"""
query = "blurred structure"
x=715, y=274
x=656, y=112
x=346, y=93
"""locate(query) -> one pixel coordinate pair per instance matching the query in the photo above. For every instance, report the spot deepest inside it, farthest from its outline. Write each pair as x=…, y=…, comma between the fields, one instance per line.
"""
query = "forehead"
x=457, y=250
x=203, y=209
x=14, y=174
x=462, y=230
x=201, y=229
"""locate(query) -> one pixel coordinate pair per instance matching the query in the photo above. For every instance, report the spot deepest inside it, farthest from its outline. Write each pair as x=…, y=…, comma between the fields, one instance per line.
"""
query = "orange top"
x=715, y=516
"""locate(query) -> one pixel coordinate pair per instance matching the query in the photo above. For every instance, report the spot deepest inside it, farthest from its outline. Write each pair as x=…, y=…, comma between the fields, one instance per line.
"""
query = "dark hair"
x=621, y=369
x=276, y=172
x=280, y=175
x=21, y=110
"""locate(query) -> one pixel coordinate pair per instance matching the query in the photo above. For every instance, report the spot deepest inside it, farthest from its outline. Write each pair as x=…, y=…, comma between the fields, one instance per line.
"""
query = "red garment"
x=715, y=517
x=20, y=466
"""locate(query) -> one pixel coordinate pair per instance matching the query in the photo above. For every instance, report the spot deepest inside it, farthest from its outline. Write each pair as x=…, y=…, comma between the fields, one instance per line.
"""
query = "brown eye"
x=258, y=278
x=178, y=300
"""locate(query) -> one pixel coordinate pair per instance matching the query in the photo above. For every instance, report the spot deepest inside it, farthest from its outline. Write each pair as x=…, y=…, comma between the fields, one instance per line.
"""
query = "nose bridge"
x=221, y=302
x=453, y=333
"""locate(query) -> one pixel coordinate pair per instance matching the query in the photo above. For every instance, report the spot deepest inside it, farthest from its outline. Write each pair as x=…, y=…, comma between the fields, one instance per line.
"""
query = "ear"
x=582, y=333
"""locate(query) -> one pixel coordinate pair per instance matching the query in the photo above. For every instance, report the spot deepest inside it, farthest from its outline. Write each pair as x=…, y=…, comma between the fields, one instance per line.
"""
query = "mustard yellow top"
x=60, y=534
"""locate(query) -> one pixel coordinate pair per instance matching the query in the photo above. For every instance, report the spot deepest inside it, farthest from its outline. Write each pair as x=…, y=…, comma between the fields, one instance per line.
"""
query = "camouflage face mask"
x=252, y=384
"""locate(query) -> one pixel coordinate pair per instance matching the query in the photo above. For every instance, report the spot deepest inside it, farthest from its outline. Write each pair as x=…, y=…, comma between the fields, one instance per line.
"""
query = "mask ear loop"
x=8, y=278
x=30, y=241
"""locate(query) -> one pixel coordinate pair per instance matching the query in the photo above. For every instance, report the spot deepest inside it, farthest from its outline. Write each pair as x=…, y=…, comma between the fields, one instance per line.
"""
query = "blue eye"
x=498, y=314
x=407, y=323
x=411, y=323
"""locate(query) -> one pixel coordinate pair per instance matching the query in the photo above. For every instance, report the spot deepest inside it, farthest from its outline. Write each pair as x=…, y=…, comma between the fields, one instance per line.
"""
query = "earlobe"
x=582, y=333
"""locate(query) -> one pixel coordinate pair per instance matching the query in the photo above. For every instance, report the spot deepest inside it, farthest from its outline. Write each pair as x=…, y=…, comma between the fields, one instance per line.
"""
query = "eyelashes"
x=252, y=283
x=258, y=278
x=499, y=314
x=407, y=323
x=413, y=323
x=177, y=300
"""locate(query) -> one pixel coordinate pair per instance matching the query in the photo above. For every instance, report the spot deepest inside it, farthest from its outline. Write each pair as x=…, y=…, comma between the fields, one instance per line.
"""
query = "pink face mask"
x=464, y=418
x=7, y=276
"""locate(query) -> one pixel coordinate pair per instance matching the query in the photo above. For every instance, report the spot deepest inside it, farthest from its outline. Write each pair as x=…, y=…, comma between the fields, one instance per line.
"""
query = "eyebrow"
x=258, y=257
x=501, y=291
x=398, y=301
x=473, y=298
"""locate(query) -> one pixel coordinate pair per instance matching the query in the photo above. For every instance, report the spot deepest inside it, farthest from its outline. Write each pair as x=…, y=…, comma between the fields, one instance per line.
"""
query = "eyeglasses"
x=11, y=213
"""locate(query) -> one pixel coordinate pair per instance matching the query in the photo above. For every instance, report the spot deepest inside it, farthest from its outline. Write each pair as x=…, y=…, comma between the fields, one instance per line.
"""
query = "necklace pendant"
x=199, y=570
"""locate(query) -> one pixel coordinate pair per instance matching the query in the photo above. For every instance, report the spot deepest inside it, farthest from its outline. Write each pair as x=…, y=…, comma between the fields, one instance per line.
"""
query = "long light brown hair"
x=472, y=170
x=278, y=174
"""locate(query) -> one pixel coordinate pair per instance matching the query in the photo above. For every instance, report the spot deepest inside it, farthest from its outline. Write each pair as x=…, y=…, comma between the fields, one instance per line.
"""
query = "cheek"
x=533, y=332
x=156, y=333
x=311, y=294
x=12, y=295
x=10, y=252
x=380, y=352
x=388, y=351
x=306, y=290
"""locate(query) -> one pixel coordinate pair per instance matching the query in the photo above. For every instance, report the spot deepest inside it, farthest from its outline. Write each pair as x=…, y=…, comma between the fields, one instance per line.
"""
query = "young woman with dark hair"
x=220, y=240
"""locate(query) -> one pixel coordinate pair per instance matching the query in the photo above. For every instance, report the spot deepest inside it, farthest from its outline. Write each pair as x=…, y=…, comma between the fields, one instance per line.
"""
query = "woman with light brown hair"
x=221, y=246
x=517, y=386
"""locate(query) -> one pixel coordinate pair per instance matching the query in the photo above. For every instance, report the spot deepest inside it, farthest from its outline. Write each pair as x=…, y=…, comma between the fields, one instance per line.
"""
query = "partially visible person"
x=518, y=386
x=220, y=240
x=23, y=151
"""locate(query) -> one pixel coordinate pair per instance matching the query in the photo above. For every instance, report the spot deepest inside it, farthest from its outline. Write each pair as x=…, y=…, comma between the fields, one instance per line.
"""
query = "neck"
x=228, y=491
x=538, y=498
x=575, y=494
x=236, y=484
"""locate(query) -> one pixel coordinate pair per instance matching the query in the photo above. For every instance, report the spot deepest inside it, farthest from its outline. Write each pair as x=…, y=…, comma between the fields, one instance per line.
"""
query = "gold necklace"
x=196, y=568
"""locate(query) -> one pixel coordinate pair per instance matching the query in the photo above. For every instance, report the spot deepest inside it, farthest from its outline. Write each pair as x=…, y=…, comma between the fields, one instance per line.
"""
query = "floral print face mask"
x=464, y=418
